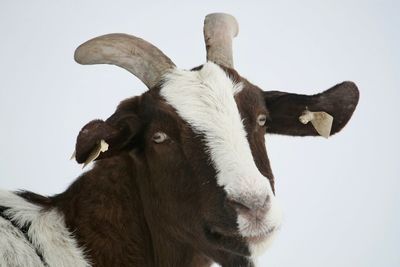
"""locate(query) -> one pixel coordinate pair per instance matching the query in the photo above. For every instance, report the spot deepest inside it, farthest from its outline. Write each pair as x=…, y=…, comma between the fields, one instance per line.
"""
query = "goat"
x=182, y=176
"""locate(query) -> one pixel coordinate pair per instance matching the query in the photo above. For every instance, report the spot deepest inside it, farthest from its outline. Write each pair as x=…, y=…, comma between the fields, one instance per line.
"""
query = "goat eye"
x=159, y=137
x=261, y=119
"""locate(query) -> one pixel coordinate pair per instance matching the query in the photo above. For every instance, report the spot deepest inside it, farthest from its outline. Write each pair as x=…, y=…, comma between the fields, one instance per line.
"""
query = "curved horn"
x=219, y=30
x=134, y=54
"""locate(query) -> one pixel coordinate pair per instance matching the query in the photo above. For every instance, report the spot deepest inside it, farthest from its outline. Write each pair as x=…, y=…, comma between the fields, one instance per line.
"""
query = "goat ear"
x=286, y=111
x=101, y=139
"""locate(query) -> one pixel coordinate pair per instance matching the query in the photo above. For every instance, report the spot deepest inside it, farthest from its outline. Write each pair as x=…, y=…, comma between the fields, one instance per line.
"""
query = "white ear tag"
x=73, y=155
x=101, y=147
x=321, y=121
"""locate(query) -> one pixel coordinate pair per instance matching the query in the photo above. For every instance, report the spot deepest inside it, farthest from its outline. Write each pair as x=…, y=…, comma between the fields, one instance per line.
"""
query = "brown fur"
x=148, y=204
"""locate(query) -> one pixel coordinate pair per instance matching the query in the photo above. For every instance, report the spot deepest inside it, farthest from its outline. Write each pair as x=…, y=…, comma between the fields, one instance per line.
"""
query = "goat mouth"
x=227, y=240
x=257, y=239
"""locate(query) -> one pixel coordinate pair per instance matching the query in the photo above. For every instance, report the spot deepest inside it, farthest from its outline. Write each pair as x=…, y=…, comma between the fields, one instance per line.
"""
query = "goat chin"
x=260, y=233
x=259, y=245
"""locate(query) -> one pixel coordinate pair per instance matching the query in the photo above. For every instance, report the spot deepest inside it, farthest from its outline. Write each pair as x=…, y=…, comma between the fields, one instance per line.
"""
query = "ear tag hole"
x=321, y=121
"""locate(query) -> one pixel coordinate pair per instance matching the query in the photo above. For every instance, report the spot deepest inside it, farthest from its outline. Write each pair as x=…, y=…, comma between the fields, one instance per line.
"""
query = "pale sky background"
x=341, y=196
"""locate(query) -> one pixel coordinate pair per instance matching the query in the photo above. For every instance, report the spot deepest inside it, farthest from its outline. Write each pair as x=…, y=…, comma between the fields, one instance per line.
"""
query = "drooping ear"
x=101, y=139
x=286, y=109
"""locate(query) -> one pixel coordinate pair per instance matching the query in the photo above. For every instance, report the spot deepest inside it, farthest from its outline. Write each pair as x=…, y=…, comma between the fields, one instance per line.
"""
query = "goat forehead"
x=205, y=100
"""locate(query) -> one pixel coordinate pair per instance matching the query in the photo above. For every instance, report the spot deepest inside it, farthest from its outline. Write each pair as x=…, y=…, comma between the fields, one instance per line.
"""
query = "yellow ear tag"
x=101, y=147
x=321, y=121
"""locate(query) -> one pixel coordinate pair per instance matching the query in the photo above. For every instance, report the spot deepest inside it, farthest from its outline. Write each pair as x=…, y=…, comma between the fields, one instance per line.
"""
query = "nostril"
x=266, y=205
x=238, y=205
x=266, y=202
x=254, y=206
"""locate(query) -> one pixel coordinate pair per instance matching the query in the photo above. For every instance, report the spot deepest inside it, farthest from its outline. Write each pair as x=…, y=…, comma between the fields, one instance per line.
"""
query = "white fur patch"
x=15, y=250
x=47, y=234
x=205, y=100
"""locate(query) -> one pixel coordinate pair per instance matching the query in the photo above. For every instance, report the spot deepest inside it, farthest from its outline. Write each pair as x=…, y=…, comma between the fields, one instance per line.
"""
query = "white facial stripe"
x=205, y=99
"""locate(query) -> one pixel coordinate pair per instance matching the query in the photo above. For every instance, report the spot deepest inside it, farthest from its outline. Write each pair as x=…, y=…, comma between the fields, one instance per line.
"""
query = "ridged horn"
x=134, y=54
x=219, y=30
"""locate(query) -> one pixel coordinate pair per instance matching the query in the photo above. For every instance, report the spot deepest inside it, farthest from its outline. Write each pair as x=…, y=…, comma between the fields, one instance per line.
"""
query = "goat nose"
x=251, y=206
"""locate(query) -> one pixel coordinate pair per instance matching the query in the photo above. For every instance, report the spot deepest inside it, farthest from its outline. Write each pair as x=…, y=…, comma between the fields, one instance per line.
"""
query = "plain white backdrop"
x=341, y=196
